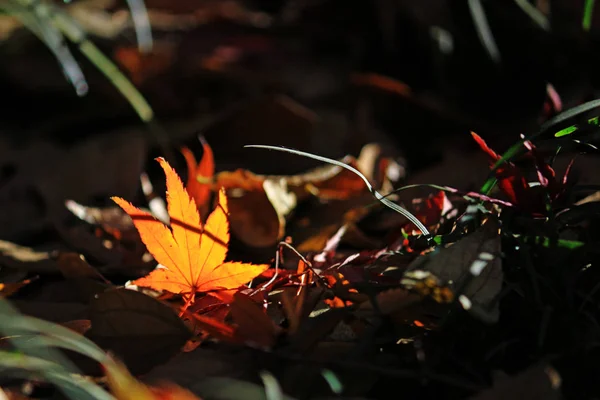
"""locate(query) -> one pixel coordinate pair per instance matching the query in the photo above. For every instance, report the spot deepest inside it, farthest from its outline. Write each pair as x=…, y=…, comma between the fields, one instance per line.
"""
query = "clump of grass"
x=52, y=26
x=34, y=354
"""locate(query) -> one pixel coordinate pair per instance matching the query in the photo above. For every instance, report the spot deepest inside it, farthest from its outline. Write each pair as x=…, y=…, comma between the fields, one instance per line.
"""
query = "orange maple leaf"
x=193, y=255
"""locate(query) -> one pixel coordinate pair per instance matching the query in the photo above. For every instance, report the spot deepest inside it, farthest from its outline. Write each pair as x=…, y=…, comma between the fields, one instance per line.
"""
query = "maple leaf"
x=193, y=255
x=204, y=171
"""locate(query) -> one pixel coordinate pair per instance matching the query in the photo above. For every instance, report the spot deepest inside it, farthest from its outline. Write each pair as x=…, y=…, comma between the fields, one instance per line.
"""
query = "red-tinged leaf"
x=193, y=255
x=485, y=198
x=430, y=210
x=382, y=83
x=215, y=328
x=200, y=176
x=513, y=184
x=555, y=188
x=510, y=179
x=546, y=175
x=483, y=145
x=253, y=324
x=210, y=306
x=568, y=172
x=8, y=289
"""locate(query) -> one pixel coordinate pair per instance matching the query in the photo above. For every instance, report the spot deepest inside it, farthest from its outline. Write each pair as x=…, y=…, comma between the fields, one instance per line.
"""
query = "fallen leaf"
x=200, y=176
x=592, y=198
x=144, y=66
x=210, y=306
x=260, y=204
x=8, y=289
x=389, y=302
x=80, y=326
x=108, y=163
x=251, y=325
x=115, y=244
x=238, y=179
x=471, y=266
x=112, y=219
x=215, y=328
x=282, y=200
x=21, y=253
x=73, y=265
x=328, y=182
x=255, y=221
x=254, y=326
x=125, y=387
x=539, y=381
x=142, y=331
x=430, y=210
x=193, y=255
x=315, y=328
x=85, y=279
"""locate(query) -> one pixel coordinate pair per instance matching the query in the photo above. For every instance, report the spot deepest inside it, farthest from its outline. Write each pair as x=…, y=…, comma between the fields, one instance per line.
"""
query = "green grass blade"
x=231, y=389
x=562, y=243
x=72, y=385
x=535, y=14
x=272, y=388
x=104, y=64
x=63, y=337
x=507, y=156
x=565, y=132
x=375, y=193
x=56, y=368
x=483, y=29
x=16, y=325
x=65, y=24
x=141, y=24
x=332, y=380
x=11, y=319
x=38, y=23
x=565, y=115
x=547, y=126
x=488, y=185
x=588, y=12
x=124, y=85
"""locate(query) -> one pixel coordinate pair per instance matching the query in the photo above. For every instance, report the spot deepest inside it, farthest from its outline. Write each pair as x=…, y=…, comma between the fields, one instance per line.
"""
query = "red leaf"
x=510, y=179
x=204, y=171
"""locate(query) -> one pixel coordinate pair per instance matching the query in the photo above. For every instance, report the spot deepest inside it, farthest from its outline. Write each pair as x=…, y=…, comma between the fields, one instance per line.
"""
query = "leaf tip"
x=223, y=199
x=118, y=200
x=476, y=136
